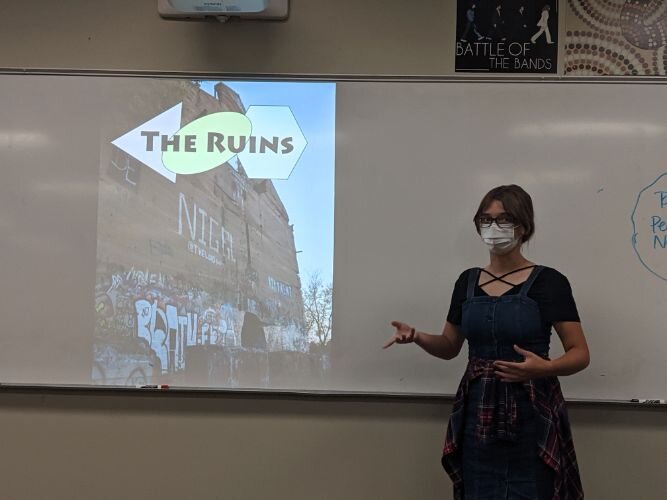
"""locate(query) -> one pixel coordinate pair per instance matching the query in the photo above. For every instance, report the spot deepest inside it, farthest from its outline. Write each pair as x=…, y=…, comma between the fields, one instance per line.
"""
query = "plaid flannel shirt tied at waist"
x=497, y=417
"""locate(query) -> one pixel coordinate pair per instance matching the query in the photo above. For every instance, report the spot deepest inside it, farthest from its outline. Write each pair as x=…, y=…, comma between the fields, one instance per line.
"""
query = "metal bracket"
x=276, y=10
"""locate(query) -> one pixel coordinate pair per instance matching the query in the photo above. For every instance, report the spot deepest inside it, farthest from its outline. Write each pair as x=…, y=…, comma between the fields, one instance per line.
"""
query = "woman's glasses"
x=504, y=221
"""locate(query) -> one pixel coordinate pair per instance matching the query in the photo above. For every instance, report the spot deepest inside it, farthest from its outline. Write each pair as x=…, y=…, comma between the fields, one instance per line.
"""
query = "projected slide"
x=215, y=234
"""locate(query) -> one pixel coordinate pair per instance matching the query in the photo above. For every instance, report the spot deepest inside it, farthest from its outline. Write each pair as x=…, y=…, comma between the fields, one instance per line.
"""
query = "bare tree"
x=317, y=301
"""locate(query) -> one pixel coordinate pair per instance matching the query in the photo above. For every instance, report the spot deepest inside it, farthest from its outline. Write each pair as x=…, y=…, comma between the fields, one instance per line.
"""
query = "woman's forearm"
x=573, y=361
x=436, y=345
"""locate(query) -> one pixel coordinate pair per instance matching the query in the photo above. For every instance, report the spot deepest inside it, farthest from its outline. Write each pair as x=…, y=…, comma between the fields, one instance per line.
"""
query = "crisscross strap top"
x=475, y=274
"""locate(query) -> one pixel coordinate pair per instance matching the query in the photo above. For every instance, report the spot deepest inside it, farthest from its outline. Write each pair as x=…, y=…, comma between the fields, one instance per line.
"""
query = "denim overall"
x=505, y=467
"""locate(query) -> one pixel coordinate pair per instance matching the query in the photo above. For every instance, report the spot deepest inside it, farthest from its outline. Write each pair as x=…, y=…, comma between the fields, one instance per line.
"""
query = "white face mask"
x=499, y=241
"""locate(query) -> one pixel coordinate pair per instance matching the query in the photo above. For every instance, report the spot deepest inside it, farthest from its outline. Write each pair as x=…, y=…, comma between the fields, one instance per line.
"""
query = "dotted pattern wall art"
x=616, y=37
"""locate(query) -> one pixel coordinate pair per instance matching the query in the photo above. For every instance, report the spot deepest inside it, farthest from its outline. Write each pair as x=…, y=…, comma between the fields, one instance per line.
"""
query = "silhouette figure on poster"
x=543, y=24
x=471, y=24
x=497, y=31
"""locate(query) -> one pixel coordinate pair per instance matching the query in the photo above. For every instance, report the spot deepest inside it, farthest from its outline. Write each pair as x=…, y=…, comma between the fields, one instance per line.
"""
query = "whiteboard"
x=412, y=161
x=415, y=160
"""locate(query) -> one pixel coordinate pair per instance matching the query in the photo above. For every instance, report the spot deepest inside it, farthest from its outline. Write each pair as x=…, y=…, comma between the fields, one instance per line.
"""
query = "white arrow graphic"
x=134, y=144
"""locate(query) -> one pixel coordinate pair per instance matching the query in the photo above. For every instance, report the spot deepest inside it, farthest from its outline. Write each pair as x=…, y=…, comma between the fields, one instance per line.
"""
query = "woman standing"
x=509, y=436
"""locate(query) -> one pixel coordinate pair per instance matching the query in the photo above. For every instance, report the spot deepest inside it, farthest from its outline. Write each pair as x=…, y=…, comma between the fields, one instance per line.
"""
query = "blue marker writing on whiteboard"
x=650, y=401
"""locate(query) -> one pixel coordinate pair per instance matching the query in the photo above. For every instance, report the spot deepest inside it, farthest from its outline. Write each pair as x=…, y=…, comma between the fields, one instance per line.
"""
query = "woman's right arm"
x=445, y=346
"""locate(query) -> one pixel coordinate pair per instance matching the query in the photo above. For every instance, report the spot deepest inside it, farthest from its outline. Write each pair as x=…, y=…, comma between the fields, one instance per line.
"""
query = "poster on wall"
x=509, y=36
x=619, y=38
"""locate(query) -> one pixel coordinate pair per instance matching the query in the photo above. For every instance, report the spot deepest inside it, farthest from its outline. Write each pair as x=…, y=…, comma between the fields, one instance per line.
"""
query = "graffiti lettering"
x=168, y=333
x=212, y=236
x=280, y=287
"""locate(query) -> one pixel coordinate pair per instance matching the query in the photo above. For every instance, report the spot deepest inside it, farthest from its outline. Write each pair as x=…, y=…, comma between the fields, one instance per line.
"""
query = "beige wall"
x=68, y=444
x=335, y=36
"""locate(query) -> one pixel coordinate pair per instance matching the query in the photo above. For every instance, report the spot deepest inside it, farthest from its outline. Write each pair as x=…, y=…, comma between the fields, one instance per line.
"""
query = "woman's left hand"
x=533, y=366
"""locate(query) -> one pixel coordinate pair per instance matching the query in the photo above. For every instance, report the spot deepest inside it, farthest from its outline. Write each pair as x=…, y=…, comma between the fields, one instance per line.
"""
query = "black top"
x=551, y=290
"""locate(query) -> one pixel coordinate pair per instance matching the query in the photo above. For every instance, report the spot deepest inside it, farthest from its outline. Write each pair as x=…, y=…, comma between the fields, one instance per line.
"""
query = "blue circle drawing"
x=634, y=229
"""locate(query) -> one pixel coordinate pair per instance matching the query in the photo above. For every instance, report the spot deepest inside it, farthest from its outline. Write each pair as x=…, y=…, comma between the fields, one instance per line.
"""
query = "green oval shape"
x=207, y=142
